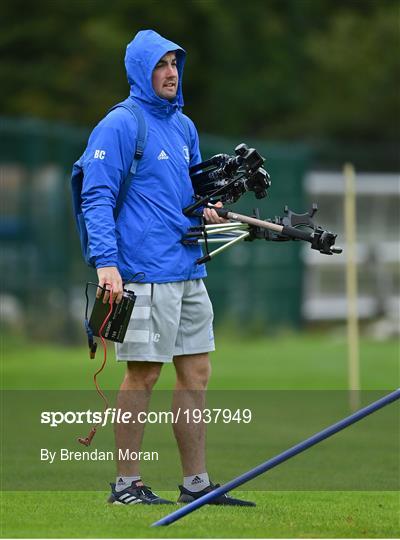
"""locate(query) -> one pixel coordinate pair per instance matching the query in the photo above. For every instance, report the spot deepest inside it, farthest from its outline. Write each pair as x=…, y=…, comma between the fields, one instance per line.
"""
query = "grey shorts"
x=169, y=319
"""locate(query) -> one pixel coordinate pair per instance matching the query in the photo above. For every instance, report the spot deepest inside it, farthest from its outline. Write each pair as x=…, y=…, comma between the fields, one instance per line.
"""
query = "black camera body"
x=226, y=178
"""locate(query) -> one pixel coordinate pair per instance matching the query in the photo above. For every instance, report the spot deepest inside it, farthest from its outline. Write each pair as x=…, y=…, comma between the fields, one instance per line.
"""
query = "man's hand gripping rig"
x=227, y=178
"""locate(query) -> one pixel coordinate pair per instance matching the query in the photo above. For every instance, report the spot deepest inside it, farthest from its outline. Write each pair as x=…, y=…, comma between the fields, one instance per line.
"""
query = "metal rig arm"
x=249, y=228
x=318, y=238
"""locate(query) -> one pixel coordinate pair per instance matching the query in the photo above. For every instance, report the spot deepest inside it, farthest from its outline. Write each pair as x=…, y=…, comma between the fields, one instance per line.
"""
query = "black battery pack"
x=117, y=325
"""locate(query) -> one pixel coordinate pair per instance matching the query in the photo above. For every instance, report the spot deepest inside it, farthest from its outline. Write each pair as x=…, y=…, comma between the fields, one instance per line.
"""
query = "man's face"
x=165, y=76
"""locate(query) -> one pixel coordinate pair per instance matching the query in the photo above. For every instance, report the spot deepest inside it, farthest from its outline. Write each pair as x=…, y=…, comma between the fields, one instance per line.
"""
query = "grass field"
x=277, y=515
x=289, y=362
x=307, y=362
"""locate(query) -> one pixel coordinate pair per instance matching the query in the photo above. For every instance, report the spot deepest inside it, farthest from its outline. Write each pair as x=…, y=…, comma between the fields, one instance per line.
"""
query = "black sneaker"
x=187, y=496
x=136, y=493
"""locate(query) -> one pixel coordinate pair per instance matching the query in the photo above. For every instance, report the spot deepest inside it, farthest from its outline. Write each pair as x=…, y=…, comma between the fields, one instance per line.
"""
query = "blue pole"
x=280, y=458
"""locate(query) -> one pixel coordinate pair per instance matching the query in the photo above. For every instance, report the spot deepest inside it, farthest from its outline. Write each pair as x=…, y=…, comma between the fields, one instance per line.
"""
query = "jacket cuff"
x=103, y=262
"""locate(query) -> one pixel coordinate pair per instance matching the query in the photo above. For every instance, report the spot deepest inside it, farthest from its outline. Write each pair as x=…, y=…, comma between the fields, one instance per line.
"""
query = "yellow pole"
x=351, y=287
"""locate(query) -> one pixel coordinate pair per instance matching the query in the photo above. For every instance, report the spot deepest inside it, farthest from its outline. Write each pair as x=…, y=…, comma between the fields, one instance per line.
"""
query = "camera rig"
x=226, y=178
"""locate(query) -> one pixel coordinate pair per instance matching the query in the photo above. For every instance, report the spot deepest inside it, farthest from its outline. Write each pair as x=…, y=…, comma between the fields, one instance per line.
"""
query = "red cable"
x=105, y=351
x=87, y=440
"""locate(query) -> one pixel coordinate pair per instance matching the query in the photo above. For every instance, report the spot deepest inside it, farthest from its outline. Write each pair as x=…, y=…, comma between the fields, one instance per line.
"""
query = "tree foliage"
x=273, y=68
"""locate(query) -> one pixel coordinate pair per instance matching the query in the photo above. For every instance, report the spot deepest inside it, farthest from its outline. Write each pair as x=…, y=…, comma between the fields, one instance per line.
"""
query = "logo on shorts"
x=155, y=337
x=211, y=333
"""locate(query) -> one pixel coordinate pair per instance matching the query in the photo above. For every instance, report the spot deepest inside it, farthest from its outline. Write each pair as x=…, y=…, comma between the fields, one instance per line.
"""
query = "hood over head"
x=142, y=55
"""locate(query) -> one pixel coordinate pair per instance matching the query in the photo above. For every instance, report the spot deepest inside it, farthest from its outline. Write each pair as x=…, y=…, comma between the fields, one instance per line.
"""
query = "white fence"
x=378, y=250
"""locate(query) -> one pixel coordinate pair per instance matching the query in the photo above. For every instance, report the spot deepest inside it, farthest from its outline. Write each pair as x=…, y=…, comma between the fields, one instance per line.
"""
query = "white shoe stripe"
x=124, y=496
x=133, y=500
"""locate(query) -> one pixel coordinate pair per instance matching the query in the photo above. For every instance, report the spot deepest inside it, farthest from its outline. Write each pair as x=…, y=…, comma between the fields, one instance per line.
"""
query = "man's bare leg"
x=134, y=396
x=192, y=375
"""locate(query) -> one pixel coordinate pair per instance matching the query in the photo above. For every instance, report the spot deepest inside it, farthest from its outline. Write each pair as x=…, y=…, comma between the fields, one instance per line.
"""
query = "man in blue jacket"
x=172, y=318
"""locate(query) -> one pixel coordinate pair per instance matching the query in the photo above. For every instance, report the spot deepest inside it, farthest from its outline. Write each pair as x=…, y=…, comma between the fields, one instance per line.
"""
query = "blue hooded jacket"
x=147, y=234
